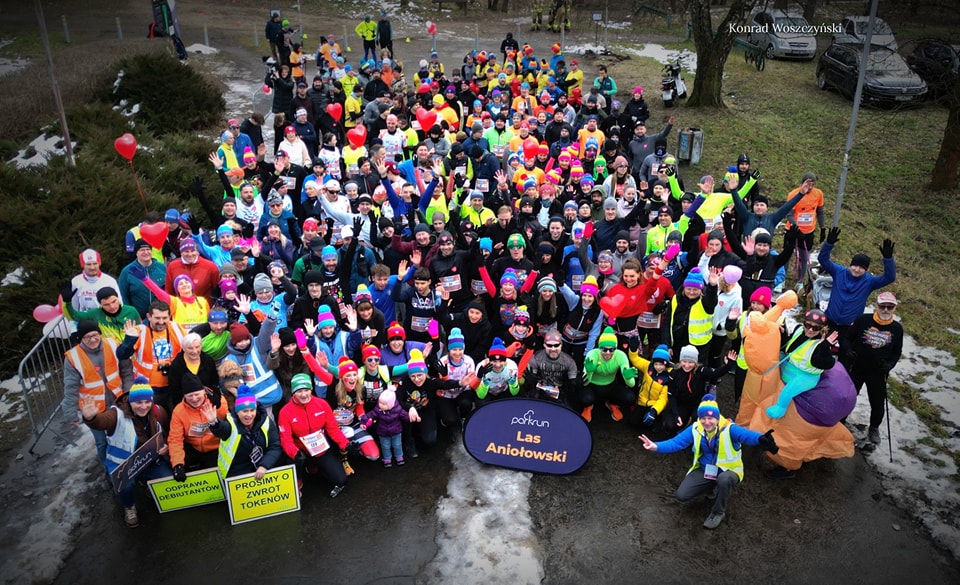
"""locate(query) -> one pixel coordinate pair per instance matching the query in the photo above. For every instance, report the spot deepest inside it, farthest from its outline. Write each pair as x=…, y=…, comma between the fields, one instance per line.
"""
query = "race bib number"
x=805, y=219
x=290, y=182
x=576, y=280
x=197, y=429
x=353, y=169
x=710, y=471
x=648, y=320
x=451, y=283
x=248, y=373
x=162, y=350
x=419, y=324
x=415, y=125
x=477, y=287
x=460, y=170
x=483, y=185
x=550, y=390
x=315, y=443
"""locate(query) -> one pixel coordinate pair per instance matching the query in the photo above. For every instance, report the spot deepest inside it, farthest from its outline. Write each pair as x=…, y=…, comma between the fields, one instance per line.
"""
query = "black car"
x=936, y=62
x=888, y=80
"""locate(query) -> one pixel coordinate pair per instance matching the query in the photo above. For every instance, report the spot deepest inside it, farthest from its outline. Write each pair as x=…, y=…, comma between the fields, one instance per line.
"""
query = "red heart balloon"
x=427, y=118
x=335, y=111
x=126, y=145
x=530, y=148
x=612, y=305
x=46, y=313
x=431, y=28
x=266, y=89
x=357, y=136
x=155, y=233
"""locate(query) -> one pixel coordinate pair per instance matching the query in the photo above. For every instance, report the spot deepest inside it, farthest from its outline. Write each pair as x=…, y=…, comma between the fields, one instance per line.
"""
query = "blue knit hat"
x=140, y=390
x=661, y=353
x=455, y=339
x=245, y=399
x=694, y=279
x=328, y=252
x=708, y=407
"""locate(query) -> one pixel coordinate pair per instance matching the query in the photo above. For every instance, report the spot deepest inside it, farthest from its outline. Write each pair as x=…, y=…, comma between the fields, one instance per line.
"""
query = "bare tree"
x=947, y=168
x=713, y=49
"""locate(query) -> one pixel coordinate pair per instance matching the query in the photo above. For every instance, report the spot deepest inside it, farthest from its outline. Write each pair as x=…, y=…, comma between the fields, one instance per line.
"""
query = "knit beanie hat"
x=191, y=383
x=227, y=285
x=455, y=339
x=416, y=365
x=497, y=349
x=328, y=252
x=763, y=237
x=286, y=336
x=521, y=315
x=861, y=260
x=396, y=330
x=261, y=283
x=362, y=295
x=387, y=399
x=238, y=333
x=325, y=317
x=661, y=353
x=84, y=327
x=609, y=203
x=370, y=351
x=689, y=353
x=345, y=366
x=486, y=244
x=589, y=286
x=516, y=241
x=675, y=236
x=708, y=407
x=608, y=338
x=762, y=295
x=547, y=283
x=312, y=277
x=732, y=274
x=217, y=315
x=245, y=399
x=509, y=276
x=188, y=244
x=300, y=382
x=140, y=390
x=694, y=279
x=105, y=293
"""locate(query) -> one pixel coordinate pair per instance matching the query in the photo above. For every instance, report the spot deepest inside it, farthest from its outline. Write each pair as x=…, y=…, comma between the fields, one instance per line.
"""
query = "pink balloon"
x=126, y=145
x=266, y=89
x=427, y=118
x=46, y=313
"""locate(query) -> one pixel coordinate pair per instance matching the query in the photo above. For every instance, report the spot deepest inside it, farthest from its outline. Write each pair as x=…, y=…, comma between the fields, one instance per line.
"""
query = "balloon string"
x=139, y=190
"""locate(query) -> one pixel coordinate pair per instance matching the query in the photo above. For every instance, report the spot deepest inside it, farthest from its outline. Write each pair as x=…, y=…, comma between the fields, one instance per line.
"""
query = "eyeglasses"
x=552, y=345
x=607, y=349
x=90, y=336
x=373, y=359
x=234, y=127
x=887, y=307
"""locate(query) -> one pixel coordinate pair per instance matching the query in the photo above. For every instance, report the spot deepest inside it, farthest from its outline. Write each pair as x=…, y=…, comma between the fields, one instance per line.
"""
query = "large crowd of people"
x=418, y=246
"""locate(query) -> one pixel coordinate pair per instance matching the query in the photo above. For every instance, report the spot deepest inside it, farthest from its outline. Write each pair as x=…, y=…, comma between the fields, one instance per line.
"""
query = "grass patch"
x=905, y=396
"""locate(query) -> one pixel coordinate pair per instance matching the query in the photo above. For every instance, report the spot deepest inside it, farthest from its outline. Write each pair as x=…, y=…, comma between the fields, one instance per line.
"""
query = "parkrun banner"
x=252, y=499
x=201, y=487
x=528, y=435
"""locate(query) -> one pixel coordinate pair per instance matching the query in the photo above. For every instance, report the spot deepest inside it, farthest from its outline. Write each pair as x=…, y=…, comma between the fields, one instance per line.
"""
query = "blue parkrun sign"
x=528, y=435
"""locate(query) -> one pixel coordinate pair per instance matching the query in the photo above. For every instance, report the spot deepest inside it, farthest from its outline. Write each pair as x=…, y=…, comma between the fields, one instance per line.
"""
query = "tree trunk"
x=504, y=6
x=810, y=10
x=712, y=50
x=945, y=170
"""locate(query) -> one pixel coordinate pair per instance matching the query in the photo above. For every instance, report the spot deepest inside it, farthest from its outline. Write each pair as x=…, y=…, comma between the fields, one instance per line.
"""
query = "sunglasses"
x=234, y=127
x=887, y=307
x=607, y=350
x=812, y=327
x=552, y=345
x=373, y=359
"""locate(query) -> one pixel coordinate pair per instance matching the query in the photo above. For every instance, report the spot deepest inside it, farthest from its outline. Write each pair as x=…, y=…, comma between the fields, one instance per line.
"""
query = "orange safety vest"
x=144, y=358
x=92, y=387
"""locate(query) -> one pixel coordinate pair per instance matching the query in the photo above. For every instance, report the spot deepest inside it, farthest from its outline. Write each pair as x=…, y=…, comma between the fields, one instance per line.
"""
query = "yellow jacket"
x=366, y=30
x=651, y=393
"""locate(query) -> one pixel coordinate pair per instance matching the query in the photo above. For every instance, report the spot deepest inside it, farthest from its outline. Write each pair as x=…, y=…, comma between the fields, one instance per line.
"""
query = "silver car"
x=783, y=36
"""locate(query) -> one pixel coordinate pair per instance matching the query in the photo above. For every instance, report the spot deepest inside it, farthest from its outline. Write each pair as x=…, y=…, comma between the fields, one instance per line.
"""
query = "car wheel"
x=770, y=52
x=821, y=79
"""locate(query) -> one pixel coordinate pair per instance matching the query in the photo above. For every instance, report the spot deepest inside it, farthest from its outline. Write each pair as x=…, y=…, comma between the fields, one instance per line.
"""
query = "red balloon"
x=357, y=136
x=46, y=313
x=266, y=89
x=335, y=110
x=530, y=148
x=155, y=233
x=431, y=28
x=126, y=145
x=612, y=305
x=427, y=118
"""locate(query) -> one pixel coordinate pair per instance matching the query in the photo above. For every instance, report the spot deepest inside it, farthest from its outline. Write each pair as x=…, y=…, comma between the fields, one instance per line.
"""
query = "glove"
x=833, y=235
x=659, y=308
x=353, y=448
x=484, y=370
x=589, y=366
x=198, y=185
x=137, y=271
x=246, y=231
x=755, y=174
x=823, y=235
x=194, y=224
x=588, y=230
x=301, y=338
x=886, y=249
x=767, y=443
x=649, y=417
x=630, y=373
x=329, y=221
x=66, y=290
x=669, y=171
x=357, y=226
x=180, y=473
x=793, y=233
x=458, y=181
x=634, y=344
x=671, y=252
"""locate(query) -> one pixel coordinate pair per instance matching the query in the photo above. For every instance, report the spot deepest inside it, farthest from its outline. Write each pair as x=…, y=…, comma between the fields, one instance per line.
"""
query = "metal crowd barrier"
x=41, y=379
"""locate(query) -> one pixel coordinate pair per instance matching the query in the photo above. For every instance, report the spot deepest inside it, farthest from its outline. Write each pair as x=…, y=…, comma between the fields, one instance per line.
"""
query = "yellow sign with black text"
x=249, y=498
x=201, y=488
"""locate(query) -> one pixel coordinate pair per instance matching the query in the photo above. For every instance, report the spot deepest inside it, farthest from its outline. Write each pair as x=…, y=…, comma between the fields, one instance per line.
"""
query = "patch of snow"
x=202, y=49
x=131, y=111
x=13, y=277
x=663, y=55
x=485, y=532
x=8, y=66
x=116, y=82
x=44, y=147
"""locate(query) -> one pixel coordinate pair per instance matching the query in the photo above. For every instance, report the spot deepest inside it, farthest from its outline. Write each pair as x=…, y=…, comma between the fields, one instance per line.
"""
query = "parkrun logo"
x=527, y=419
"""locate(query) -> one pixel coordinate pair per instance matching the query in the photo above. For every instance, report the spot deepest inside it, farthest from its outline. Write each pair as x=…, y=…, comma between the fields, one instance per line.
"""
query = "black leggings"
x=616, y=392
x=451, y=410
x=327, y=465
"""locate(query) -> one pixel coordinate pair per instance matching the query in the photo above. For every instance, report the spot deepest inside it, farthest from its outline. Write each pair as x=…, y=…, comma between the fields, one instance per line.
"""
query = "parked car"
x=855, y=31
x=937, y=62
x=781, y=35
x=888, y=81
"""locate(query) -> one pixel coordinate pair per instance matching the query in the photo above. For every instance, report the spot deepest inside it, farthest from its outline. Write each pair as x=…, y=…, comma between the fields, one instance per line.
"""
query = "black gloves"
x=660, y=307
x=833, y=235
x=198, y=186
x=459, y=180
x=755, y=174
x=194, y=224
x=886, y=249
x=823, y=234
x=793, y=233
x=329, y=221
x=634, y=343
x=669, y=171
x=180, y=473
x=357, y=226
x=66, y=290
x=484, y=370
x=767, y=443
x=247, y=231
